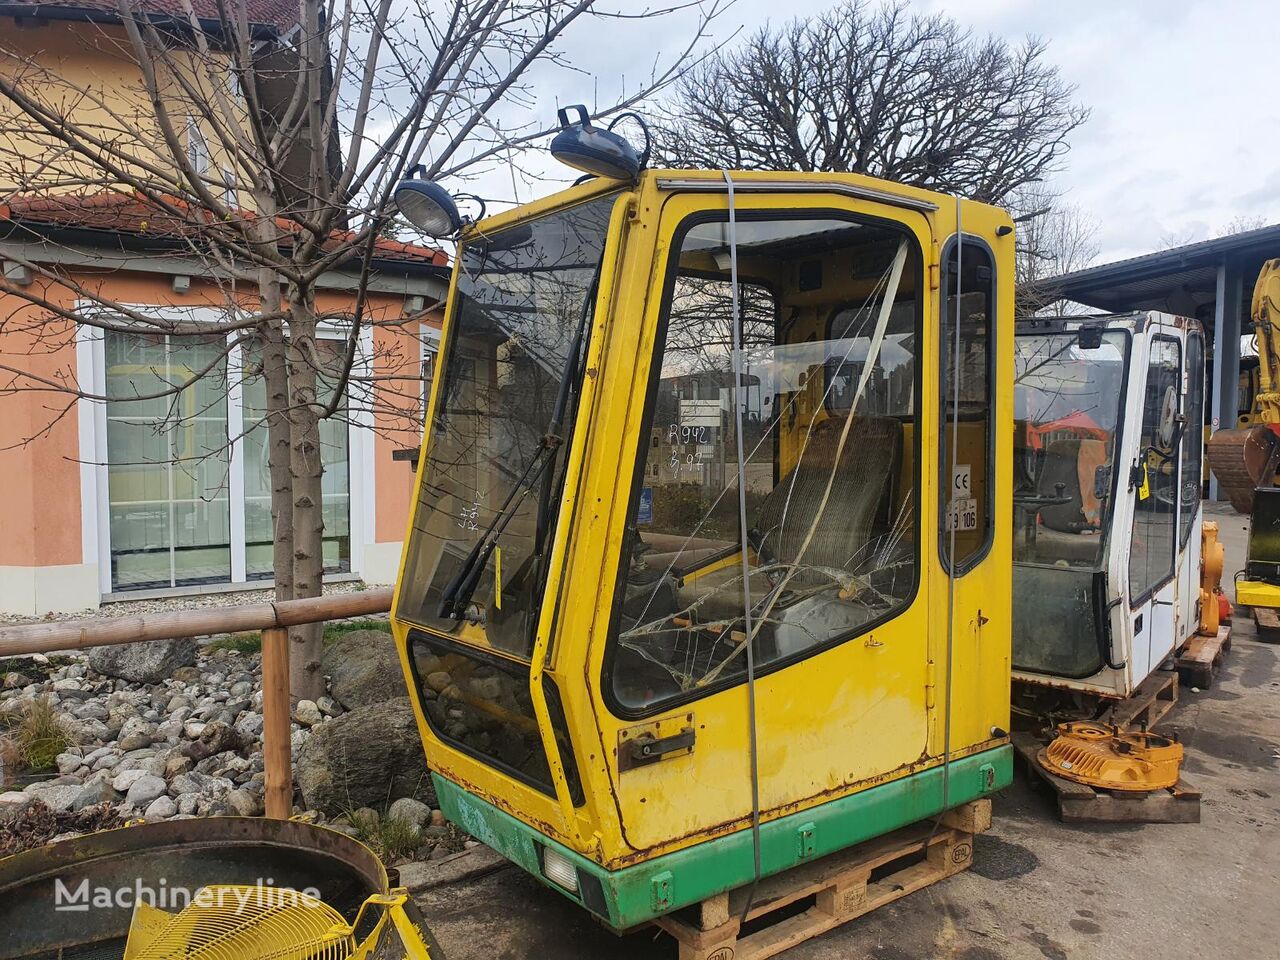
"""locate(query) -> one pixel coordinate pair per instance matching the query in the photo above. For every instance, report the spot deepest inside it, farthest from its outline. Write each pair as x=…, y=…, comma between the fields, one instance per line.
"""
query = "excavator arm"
x=1245, y=459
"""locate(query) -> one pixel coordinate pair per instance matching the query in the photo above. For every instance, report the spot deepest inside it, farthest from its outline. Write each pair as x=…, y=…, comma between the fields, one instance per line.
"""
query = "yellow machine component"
x=1242, y=458
x=1255, y=593
x=240, y=922
x=1102, y=756
x=585, y=705
x=1212, y=557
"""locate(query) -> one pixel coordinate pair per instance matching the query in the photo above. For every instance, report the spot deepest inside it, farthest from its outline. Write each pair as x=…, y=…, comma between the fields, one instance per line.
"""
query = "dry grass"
x=391, y=839
x=245, y=643
x=39, y=734
x=10, y=759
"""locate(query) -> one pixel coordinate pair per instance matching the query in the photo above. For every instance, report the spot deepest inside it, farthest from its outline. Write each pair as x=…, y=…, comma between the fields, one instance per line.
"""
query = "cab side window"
x=1192, y=436
x=968, y=364
x=1153, y=540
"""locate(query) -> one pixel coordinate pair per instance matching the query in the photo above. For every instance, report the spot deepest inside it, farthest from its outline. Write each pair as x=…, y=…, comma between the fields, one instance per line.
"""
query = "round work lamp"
x=593, y=150
x=427, y=205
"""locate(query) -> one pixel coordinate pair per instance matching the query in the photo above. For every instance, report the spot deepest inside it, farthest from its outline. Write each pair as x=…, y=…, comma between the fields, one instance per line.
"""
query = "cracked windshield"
x=830, y=419
x=496, y=454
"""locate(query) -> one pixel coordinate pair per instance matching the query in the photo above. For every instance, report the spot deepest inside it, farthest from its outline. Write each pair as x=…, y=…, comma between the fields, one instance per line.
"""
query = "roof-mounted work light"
x=599, y=152
x=427, y=205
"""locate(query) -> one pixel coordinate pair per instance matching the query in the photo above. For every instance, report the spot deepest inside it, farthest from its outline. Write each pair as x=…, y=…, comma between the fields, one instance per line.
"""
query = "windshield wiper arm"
x=568, y=384
x=458, y=592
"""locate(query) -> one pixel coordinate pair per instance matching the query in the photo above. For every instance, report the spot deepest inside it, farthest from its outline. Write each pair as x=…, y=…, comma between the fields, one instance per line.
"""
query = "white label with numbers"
x=963, y=514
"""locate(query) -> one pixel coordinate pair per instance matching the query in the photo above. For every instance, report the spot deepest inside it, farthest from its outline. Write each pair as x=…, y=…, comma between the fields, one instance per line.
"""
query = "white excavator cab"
x=1108, y=472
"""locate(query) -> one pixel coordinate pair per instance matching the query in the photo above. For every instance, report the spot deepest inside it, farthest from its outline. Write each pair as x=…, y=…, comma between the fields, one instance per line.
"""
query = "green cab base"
x=638, y=893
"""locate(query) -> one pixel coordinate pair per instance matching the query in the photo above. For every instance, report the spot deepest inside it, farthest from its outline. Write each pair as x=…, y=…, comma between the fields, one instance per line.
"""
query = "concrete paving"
x=1038, y=888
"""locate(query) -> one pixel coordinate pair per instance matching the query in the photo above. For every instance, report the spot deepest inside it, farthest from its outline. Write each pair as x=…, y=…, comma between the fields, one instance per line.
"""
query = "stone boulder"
x=368, y=757
x=143, y=662
x=363, y=669
x=216, y=737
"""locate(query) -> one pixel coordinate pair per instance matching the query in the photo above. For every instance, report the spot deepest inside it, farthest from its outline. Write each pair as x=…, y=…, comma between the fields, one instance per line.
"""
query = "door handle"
x=647, y=748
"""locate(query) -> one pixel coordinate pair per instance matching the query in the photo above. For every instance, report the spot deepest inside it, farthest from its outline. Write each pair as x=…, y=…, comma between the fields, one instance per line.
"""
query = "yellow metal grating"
x=233, y=922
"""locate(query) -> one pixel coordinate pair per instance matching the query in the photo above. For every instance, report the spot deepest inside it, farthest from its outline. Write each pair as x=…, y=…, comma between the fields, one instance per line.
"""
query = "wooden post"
x=275, y=723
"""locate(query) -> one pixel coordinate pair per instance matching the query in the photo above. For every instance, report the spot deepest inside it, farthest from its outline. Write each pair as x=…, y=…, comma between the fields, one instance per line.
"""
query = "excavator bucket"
x=1239, y=458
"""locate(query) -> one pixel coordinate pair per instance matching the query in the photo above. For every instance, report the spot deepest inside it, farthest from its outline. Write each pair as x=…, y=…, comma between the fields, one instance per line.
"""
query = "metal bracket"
x=651, y=742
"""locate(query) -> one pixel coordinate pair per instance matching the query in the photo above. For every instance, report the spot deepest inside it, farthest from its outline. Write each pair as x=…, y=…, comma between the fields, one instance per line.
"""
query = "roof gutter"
x=23, y=231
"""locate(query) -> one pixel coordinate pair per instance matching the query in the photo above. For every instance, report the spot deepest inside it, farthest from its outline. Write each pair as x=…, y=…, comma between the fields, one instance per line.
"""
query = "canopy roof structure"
x=1211, y=280
x=1182, y=280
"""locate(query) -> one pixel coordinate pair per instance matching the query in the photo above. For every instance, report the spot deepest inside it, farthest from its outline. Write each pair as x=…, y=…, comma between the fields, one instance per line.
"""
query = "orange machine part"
x=1102, y=756
x=1211, y=562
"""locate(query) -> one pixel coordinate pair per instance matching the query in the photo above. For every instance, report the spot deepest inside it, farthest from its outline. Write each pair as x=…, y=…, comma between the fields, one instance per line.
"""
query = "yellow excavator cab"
x=708, y=574
x=1245, y=460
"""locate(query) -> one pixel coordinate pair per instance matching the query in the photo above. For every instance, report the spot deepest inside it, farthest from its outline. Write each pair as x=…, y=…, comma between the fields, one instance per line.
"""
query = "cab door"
x=1190, y=505
x=974, y=334
x=1154, y=489
x=837, y=368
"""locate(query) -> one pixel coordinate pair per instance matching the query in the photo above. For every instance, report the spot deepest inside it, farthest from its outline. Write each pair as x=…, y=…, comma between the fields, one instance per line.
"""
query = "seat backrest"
x=859, y=509
x=1061, y=466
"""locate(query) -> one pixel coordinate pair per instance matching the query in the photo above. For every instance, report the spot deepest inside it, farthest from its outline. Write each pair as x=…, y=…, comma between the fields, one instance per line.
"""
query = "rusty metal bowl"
x=37, y=887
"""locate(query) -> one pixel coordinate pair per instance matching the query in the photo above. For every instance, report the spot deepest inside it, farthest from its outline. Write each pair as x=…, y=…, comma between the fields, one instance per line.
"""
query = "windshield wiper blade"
x=457, y=594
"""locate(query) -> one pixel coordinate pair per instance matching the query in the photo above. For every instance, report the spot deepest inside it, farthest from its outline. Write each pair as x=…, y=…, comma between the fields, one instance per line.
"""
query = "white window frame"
x=94, y=464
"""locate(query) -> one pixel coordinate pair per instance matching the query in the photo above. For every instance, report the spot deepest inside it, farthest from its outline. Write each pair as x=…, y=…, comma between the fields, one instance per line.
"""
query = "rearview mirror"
x=1089, y=338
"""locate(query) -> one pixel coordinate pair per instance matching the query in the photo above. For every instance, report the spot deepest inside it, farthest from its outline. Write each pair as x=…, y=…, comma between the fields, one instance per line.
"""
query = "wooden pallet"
x=1081, y=803
x=1267, y=620
x=1147, y=705
x=844, y=886
x=1200, y=658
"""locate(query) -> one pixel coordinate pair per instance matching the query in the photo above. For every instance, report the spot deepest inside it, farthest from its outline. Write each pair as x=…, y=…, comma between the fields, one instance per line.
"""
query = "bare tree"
x=876, y=90
x=1054, y=238
x=266, y=152
x=1241, y=223
x=1195, y=233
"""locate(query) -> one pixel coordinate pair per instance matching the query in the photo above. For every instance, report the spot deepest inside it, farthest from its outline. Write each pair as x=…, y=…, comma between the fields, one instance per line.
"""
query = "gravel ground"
x=131, y=608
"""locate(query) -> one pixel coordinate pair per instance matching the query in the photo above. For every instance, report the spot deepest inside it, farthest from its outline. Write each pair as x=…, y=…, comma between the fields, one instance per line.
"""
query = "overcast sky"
x=1185, y=132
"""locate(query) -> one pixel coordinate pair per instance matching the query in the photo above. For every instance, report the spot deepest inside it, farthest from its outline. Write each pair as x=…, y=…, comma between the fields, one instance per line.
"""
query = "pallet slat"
x=840, y=884
x=1200, y=658
x=1268, y=623
x=1147, y=705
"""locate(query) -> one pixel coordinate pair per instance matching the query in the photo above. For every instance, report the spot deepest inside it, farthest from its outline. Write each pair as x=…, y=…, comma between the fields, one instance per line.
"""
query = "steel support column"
x=1227, y=319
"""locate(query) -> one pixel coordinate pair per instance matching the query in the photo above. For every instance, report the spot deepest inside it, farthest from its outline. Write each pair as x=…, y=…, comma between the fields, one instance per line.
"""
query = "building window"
x=230, y=196
x=197, y=147
x=168, y=459
x=428, y=347
x=172, y=462
x=259, y=533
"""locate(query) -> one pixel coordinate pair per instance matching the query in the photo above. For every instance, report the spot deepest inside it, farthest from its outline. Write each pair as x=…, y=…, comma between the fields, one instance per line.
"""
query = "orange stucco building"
x=92, y=512
x=104, y=493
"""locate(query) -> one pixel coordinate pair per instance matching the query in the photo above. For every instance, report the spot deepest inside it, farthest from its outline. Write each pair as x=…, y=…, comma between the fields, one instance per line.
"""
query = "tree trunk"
x=275, y=372
x=275, y=375
x=305, y=471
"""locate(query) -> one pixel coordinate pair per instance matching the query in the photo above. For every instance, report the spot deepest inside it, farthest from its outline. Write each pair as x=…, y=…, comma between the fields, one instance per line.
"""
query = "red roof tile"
x=130, y=213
